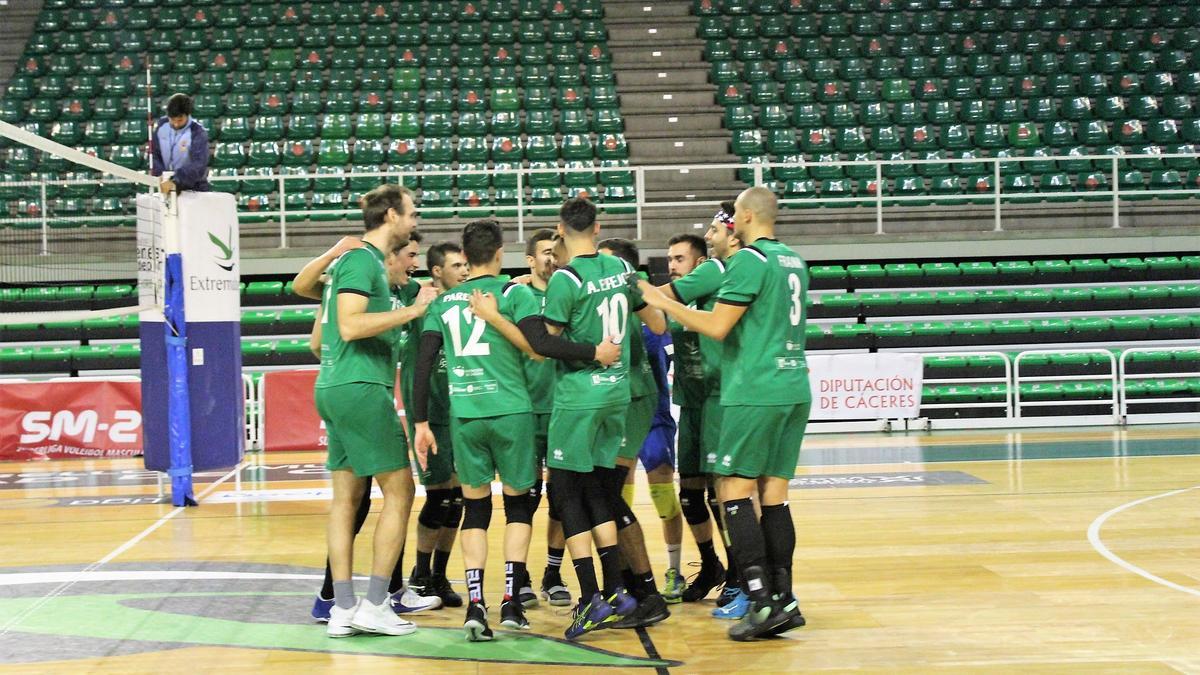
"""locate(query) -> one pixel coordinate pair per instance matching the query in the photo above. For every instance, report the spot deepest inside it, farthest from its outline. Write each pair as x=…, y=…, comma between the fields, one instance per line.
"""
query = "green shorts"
x=581, y=440
x=541, y=430
x=710, y=433
x=363, y=429
x=639, y=416
x=440, y=467
x=486, y=446
x=687, y=447
x=762, y=440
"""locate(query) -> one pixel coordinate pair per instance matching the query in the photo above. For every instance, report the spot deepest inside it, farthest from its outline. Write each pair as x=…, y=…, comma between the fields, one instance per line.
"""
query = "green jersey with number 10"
x=591, y=300
x=764, y=360
x=486, y=372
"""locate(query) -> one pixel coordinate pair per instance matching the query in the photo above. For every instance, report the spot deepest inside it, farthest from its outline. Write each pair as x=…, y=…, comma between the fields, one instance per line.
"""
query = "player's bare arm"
x=715, y=324
x=356, y=323
x=307, y=283
x=543, y=338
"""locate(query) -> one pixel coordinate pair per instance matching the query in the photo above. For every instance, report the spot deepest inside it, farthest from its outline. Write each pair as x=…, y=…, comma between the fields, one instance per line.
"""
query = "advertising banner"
x=68, y=420
x=865, y=386
x=290, y=420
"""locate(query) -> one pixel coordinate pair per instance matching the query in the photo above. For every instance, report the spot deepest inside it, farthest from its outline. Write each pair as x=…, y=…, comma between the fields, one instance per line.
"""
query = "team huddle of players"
x=506, y=378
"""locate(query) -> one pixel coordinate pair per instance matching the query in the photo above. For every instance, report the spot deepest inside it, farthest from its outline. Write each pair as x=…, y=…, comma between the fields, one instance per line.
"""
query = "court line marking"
x=1097, y=543
x=61, y=588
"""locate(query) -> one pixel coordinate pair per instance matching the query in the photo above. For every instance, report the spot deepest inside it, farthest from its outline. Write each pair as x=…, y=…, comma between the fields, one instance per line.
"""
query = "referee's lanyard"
x=176, y=135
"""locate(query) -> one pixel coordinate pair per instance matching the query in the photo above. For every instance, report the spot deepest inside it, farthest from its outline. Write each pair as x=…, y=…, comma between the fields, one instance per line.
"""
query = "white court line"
x=1098, y=544
x=78, y=576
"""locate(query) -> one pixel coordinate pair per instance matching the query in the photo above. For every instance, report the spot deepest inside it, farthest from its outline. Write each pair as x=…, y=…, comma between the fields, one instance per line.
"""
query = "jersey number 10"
x=614, y=316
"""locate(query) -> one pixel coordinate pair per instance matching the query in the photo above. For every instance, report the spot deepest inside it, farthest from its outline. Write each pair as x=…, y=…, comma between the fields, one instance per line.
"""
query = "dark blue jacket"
x=193, y=174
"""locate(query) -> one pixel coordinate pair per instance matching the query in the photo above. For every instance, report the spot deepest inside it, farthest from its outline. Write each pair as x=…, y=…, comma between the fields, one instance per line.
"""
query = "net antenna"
x=27, y=259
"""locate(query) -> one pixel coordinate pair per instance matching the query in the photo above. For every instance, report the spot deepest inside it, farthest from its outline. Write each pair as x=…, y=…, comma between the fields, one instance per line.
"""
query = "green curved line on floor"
x=103, y=616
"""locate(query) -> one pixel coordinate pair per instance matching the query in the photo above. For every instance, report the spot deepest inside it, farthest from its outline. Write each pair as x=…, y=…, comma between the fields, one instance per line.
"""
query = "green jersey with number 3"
x=486, y=372
x=591, y=300
x=764, y=360
x=372, y=359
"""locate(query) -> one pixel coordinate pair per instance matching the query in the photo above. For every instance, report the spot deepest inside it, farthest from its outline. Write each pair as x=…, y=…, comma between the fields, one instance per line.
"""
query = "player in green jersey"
x=588, y=301
x=491, y=415
x=401, y=264
x=700, y=411
x=439, y=518
x=354, y=397
x=541, y=375
x=639, y=416
x=760, y=317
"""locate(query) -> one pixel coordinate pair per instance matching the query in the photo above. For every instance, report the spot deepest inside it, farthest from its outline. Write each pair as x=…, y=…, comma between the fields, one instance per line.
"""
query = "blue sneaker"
x=321, y=609
x=623, y=604
x=735, y=609
x=728, y=593
x=589, y=616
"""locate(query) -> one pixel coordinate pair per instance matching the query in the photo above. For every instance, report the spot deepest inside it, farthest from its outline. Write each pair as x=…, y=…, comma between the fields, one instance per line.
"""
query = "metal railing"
x=1111, y=379
x=640, y=205
x=1125, y=376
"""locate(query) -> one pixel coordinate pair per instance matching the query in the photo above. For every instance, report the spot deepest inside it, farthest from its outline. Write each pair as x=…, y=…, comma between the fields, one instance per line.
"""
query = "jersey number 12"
x=455, y=318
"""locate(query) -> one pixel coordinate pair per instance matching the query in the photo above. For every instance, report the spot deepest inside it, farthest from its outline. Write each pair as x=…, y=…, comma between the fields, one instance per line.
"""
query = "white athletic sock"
x=673, y=554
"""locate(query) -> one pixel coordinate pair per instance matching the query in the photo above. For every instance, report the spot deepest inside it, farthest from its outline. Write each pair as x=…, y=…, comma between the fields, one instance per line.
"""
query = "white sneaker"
x=371, y=618
x=339, y=622
x=407, y=600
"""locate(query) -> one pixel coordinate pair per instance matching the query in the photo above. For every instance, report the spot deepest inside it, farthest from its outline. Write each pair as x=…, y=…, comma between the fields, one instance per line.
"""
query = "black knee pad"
x=714, y=504
x=517, y=509
x=567, y=497
x=433, y=512
x=454, y=512
x=691, y=502
x=478, y=514
x=598, y=499
x=553, y=508
x=535, y=493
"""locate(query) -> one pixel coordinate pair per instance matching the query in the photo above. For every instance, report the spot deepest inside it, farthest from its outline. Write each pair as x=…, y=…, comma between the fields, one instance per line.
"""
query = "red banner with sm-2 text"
x=65, y=420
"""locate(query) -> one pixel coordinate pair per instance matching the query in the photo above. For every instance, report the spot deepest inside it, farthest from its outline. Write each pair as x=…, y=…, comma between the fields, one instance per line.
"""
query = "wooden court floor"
x=1073, y=550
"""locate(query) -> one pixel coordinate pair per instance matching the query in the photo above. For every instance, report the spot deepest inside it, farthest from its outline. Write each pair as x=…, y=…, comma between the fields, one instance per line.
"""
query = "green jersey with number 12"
x=764, y=360
x=591, y=300
x=486, y=372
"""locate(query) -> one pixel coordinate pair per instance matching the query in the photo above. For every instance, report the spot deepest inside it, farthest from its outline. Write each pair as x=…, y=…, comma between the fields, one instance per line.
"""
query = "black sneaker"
x=763, y=618
x=795, y=621
x=703, y=583
x=424, y=587
x=476, y=625
x=554, y=591
x=512, y=615
x=649, y=611
x=525, y=593
x=442, y=589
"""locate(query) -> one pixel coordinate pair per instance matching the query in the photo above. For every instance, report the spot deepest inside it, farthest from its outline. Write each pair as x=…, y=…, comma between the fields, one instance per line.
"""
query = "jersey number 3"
x=455, y=319
x=796, y=312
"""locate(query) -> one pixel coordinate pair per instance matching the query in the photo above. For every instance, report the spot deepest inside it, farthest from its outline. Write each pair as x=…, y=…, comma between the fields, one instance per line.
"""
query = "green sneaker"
x=673, y=586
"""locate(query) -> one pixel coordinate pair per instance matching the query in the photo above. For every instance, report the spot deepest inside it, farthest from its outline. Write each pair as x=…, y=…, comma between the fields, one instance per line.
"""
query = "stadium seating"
x=324, y=88
x=884, y=80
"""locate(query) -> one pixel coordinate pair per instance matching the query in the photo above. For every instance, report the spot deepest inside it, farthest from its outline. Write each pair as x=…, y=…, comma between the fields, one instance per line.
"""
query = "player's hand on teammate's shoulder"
x=484, y=306
x=650, y=293
x=523, y=279
x=426, y=295
x=608, y=352
x=347, y=243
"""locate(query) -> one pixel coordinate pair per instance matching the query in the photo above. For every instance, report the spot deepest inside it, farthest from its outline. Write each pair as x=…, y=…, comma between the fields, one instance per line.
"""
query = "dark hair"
x=577, y=214
x=728, y=208
x=481, y=239
x=622, y=248
x=179, y=104
x=435, y=256
x=693, y=240
x=544, y=234
x=375, y=204
x=416, y=236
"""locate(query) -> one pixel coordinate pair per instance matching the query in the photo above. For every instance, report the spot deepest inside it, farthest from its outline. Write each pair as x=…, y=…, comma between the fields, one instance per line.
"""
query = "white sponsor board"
x=211, y=265
x=865, y=386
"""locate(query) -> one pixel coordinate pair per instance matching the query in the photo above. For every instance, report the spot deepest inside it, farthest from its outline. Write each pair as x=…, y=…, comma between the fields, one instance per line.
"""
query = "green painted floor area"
x=885, y=453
